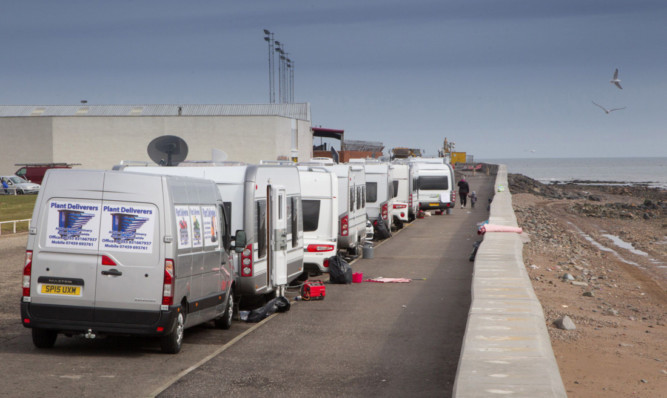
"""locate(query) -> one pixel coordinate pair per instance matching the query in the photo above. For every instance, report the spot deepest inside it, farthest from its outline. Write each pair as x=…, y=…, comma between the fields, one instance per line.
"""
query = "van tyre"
x=171, y=343
x=225, y=320
x=44, y=338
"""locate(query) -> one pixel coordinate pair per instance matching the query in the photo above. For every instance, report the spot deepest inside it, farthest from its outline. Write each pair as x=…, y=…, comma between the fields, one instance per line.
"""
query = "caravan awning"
x=328, y=133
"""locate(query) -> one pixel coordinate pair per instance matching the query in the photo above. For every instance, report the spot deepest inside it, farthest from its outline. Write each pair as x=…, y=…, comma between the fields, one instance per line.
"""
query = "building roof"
x=299, y=111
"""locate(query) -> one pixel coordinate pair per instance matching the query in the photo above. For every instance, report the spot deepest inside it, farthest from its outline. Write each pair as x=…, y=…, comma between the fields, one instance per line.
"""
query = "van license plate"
x=434, y=204
x=60, y=289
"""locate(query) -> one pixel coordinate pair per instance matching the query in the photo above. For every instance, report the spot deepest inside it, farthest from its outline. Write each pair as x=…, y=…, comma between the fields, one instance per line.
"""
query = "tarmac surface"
x=363, y=339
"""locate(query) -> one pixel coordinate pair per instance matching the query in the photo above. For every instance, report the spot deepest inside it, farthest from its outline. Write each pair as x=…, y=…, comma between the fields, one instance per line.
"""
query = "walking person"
x=5, y=186
x=464, y=188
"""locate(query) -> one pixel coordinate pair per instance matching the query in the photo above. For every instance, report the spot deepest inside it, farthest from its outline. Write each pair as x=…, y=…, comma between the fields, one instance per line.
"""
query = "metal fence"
x=13, y=222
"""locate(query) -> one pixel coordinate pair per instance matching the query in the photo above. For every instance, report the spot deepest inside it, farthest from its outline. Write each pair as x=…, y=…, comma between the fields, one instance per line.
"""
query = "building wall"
x=24, y=140
x=100, y=142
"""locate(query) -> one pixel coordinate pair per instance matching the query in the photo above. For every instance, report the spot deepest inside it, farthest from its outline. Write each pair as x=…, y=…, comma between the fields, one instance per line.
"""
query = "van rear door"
x=130, y=272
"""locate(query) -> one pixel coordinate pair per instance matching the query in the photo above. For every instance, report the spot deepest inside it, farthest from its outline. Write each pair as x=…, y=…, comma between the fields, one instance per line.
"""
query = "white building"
x=100, y=136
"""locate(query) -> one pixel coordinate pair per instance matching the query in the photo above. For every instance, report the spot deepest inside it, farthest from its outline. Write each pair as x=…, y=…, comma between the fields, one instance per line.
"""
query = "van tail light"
x=319, y=248
x=385, y=211
x=27, y=271
x=344, y=226
x=246, y=261
x=168, y=285
x=326, y=263
x=453, y=196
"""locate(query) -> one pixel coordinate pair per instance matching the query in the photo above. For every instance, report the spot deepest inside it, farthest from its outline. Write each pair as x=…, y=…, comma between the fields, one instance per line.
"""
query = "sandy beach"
x=598, y=254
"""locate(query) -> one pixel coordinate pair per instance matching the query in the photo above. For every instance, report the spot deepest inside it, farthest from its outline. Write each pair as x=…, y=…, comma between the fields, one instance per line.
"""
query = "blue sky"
x=500, y=78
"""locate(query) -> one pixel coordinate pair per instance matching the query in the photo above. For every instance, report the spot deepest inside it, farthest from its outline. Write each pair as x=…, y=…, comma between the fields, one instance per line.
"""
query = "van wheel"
x=44, y=338
x=225, y=320
x=171, y=343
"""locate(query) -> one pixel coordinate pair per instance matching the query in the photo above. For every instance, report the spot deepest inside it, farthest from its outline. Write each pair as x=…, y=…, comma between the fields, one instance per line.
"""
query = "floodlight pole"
x=269, y=38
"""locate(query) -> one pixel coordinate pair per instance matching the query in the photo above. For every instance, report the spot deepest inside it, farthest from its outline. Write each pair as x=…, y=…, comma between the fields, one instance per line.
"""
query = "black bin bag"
x=340, y=271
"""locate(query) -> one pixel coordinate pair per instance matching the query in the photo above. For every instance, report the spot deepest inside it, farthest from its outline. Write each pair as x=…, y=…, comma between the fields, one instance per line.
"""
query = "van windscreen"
x=311, y=214
x=433, y=183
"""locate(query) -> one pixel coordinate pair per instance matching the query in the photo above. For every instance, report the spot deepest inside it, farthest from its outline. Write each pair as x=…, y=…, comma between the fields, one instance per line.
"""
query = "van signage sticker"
x=73, y=224
x=196, y=222
x=210, y=220
x=127, y=228
x=183, y=226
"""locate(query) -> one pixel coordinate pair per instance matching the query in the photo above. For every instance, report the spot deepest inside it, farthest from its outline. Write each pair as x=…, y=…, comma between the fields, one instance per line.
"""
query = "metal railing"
x=14, y=222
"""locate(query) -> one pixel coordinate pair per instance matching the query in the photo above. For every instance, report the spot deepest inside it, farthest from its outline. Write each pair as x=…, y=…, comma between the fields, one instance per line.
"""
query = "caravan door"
x=277, y=235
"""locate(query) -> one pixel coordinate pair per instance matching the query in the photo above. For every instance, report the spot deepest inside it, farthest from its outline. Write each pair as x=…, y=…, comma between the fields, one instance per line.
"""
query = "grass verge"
x=16, y=207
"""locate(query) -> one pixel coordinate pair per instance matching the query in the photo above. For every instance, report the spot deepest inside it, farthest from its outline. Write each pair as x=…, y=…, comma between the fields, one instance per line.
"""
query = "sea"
x=650, y=171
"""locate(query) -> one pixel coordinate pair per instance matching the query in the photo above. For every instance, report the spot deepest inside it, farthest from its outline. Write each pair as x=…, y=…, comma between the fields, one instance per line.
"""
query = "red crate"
x=313, y=290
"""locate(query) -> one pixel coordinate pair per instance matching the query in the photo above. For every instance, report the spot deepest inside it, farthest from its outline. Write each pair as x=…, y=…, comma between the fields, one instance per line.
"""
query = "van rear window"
x=311, y=214
x=432, y=183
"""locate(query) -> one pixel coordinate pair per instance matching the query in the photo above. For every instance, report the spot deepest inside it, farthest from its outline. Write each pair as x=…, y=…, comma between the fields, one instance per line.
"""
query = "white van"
x=435, y=184
x=351, y=202
x=379, y=190
x=265, y=202
x=400, y=209
x=119, y=253
x=319, y=198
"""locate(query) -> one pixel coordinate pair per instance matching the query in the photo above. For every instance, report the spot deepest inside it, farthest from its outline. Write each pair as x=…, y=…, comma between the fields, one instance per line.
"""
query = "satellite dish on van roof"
x=168, y=150
x=218, y=155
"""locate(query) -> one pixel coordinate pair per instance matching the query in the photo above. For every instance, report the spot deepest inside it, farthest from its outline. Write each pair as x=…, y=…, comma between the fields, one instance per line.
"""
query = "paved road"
x=368, y=339
x=365, y=339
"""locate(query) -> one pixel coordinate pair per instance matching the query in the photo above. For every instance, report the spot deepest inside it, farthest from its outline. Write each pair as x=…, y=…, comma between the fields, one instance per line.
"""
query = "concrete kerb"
x=506, y=347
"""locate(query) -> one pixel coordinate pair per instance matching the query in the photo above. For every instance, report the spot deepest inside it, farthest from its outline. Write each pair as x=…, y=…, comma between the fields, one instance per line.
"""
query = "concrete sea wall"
x=506, y=348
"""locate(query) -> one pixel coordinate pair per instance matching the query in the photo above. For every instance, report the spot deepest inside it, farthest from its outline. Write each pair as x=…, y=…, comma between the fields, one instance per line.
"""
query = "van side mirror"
x=239, y=241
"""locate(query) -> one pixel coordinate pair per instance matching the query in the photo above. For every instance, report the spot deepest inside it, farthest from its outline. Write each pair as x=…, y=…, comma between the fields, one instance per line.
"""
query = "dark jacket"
x=464, y=187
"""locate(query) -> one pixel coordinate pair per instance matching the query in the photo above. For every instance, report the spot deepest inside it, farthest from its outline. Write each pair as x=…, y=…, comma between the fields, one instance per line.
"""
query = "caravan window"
x=358, y=198
x=433, y=183
x=395, y=193
x=415, y=184
x=352, y=199
x=363, y=196
x=311, y=215
x=371, y=192
x=260, y=227
x=294, y=224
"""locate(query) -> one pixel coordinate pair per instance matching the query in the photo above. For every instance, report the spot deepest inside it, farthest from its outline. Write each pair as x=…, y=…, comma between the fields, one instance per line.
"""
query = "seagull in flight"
x=616, y=80
x=607, y=111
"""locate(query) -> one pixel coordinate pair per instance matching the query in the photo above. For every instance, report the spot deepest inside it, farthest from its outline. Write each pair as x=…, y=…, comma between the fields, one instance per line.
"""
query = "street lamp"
x=269, y=38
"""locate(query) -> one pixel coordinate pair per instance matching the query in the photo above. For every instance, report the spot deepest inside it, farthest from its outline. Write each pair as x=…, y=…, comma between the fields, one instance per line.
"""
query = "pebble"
x=565, y=323
x=567, y=277
x=575, y=283
x=589, y=294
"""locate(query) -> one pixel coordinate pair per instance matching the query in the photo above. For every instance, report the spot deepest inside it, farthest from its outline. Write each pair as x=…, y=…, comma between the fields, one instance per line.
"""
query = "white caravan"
x=351, y=202
x=265, y=202
x=319, y=198
x=127, y=254
x=413, y=203
x=400, y=209
x=435, y=184
x=379, y=190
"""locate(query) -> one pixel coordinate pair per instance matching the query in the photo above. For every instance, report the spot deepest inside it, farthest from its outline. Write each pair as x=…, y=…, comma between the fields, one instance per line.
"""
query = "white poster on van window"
x=210, y=224
x=183, y=226
x=128, y=227
x=197, y=225
x=73, y=223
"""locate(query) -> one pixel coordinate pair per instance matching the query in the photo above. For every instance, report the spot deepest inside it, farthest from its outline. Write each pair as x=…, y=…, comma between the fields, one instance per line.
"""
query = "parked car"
x=18, y=186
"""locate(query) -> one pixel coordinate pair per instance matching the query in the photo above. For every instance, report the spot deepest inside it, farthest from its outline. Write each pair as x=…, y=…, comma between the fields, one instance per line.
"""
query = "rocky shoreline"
x=613, y=294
